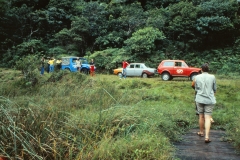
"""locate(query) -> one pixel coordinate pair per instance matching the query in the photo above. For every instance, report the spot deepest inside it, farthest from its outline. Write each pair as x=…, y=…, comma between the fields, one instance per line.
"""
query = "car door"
x=138, y=69
x=186, y=69
x=169, y=66
x=178, y=69
x=130, y=69
x=73, y=64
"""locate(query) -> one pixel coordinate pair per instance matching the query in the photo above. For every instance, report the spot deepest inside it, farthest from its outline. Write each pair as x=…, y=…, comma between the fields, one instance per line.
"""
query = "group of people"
x=50, y=64
x=58, y=62
x=205, y=89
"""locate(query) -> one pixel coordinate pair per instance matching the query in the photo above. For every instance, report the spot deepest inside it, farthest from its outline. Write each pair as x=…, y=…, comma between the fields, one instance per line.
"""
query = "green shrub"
x=230, y=67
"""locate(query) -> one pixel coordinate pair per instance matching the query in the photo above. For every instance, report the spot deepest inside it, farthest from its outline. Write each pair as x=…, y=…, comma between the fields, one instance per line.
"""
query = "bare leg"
x=201, y=122
x=207, y=125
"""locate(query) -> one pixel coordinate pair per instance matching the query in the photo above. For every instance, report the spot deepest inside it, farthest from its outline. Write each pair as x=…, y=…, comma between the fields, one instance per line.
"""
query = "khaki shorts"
x=205, y=109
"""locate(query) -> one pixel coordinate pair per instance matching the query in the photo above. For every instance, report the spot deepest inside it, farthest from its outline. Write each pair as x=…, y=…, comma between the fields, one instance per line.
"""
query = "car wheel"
x=119, y=75
x=193, y=76
x=144, y=75
x=84, y=70
x=166, y=76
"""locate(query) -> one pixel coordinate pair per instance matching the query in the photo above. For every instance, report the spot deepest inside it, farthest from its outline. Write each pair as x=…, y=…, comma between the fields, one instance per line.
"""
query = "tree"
x=159, y=3
x=80, y=32
x=4, y=26
x=3, y=6
x=109, y=58
x=182, y=21
x=216, y=21
x=123, y=20
x=27, y=65
x=142, y=42
x=157, y=18
x=96, y=15
x=132, y=18
x=26, y=20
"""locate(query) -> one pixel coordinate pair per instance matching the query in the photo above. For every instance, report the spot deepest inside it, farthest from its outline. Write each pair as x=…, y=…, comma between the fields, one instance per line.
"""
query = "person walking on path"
x=205, y=87
x=92, y=68
x=42, y=66
x=124, y=65
x=193, y=86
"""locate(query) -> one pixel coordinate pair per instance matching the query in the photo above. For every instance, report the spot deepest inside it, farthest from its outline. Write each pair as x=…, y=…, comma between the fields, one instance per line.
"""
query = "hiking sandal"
x=207, y=140
x=200, y=134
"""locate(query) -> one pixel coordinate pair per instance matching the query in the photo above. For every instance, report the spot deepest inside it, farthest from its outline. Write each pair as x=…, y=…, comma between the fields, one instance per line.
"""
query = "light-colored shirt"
x=59, y=61
x=78, y=63
x=205, y=86
x=51, y=61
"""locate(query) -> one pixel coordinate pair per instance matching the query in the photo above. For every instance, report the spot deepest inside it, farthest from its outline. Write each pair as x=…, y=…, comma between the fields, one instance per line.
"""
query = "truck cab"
x=69, y=63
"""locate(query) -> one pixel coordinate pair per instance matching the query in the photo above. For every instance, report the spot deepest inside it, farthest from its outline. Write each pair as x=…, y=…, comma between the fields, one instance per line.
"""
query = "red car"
x=176, y=68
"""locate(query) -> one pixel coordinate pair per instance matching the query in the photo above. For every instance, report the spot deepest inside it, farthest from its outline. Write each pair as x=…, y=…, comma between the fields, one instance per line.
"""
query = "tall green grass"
x=74, y=116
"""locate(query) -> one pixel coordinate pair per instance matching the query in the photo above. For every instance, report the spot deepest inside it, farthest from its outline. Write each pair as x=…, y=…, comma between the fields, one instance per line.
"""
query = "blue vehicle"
x=69, y=63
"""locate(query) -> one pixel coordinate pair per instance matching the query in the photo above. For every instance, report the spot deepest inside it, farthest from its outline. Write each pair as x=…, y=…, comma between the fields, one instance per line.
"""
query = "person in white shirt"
x=205, y=87
x=78, y=64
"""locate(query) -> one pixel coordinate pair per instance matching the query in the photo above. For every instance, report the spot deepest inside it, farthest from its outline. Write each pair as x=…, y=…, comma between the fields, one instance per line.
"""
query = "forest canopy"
x=113, y=30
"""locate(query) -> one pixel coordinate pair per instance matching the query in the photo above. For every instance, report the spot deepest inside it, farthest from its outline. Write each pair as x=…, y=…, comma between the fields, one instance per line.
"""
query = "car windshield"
x=65, y=61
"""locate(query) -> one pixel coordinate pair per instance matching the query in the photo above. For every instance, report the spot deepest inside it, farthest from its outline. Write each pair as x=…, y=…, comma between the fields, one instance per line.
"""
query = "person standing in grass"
x=58, y=63
x=124, y=66
x=205, y=87
x=51, y=64
x=92, y=68
x=42, y=65
x=48, y=65
x=78, y=64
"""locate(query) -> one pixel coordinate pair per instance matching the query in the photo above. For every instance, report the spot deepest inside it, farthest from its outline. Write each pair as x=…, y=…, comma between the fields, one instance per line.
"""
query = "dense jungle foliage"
x=112, y=30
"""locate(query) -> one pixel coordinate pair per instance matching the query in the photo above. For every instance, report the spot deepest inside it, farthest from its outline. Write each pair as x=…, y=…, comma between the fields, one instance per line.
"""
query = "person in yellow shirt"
x=51, y=64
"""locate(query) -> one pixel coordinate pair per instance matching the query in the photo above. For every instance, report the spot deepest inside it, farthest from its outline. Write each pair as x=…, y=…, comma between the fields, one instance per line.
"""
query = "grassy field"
x=75, y=116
